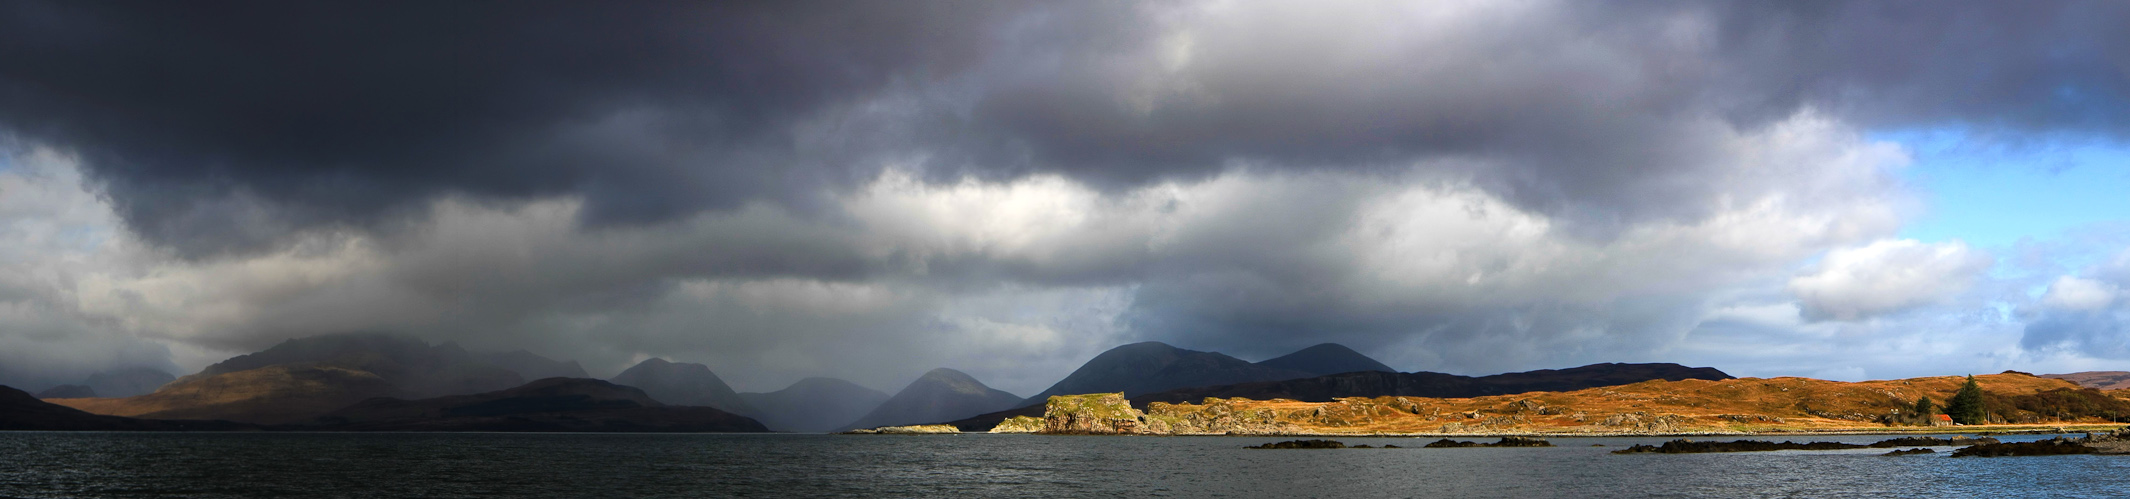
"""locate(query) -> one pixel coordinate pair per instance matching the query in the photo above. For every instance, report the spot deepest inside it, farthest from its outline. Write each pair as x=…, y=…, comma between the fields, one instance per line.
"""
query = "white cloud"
x=1886, y=276
x=2075, y=293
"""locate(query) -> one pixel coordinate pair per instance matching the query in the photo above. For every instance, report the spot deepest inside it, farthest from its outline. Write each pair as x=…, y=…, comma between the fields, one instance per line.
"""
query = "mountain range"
x=1149, y=367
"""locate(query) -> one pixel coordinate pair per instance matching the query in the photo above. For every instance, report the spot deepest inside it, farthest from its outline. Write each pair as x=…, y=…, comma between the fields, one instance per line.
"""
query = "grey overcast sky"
x=869, y=190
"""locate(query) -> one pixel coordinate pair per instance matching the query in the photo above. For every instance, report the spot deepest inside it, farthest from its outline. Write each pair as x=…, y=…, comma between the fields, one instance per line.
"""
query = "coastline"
x=1917, y=430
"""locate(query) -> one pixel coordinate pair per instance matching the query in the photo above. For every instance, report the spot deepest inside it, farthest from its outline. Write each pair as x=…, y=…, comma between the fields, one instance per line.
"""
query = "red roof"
x=1945, y=417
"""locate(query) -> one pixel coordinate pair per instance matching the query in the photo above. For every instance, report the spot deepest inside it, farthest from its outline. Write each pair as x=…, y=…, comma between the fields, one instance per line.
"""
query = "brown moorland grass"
x=1744, y=405
x=268, y=395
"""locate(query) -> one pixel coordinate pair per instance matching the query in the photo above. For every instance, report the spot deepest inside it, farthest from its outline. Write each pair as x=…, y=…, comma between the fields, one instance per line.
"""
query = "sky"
x=1845, y=190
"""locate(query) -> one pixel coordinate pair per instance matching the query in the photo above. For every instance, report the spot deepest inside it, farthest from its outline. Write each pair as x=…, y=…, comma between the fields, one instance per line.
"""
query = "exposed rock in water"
x=1299, y=444
x=1930, y=442
x=1684, y=446
x=923, y=429
x=1911, y=452
x=1505, y=442
x=2053, y=447
x=1019, y=424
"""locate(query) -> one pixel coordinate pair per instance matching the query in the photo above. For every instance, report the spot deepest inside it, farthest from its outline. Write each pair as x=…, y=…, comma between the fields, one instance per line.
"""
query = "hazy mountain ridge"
x=552, y=404
x=815, y=404
x=2102, y=380
x=687, y=384
x=415, y=368
x=940, y=395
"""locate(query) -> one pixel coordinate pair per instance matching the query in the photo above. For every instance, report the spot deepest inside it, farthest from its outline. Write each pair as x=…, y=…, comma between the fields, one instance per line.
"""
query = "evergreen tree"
x=1966, y=405
x=1925, y=409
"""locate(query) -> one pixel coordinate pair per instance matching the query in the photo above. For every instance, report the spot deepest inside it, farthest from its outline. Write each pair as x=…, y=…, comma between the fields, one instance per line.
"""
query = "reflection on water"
x=581, y=465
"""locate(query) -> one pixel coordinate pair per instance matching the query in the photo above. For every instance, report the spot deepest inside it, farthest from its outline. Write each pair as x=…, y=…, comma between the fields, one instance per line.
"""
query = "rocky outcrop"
x=922, y=429
x=1684, y=446
x=1301, y=444
x=1019, y=424
x=1504, y=442
x=1093, y=414
x=2053, y=447
x=1911, y=452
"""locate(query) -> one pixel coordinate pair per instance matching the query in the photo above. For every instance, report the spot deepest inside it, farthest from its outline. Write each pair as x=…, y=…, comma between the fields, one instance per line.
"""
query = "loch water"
x=44, y=464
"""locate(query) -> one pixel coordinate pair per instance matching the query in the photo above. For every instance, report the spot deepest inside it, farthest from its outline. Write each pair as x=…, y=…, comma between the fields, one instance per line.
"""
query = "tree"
x=1925, y=409
x=1965, y=407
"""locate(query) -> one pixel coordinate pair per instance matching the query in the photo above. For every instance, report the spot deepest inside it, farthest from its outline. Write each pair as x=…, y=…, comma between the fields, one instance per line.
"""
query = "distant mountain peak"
x=1152, y=366
x=1326, y=358
x=684, y=384
x=940, y=395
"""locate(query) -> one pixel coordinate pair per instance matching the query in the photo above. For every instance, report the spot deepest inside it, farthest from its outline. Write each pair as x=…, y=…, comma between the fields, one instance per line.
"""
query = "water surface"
x=37, y=464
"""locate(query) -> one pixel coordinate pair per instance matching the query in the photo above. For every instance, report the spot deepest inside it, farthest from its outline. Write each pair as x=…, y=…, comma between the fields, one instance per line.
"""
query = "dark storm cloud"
x=337, y=113
x=220, y=126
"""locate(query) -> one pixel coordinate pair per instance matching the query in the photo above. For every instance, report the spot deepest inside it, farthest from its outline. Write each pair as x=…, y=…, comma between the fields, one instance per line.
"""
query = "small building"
x=1941, y=420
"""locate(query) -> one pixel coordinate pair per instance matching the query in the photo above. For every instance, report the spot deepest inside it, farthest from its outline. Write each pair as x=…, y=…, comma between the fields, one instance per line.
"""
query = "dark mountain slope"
x=1149, y=367
x=1428, y=384
x=21, y=412
x=1325, y=359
